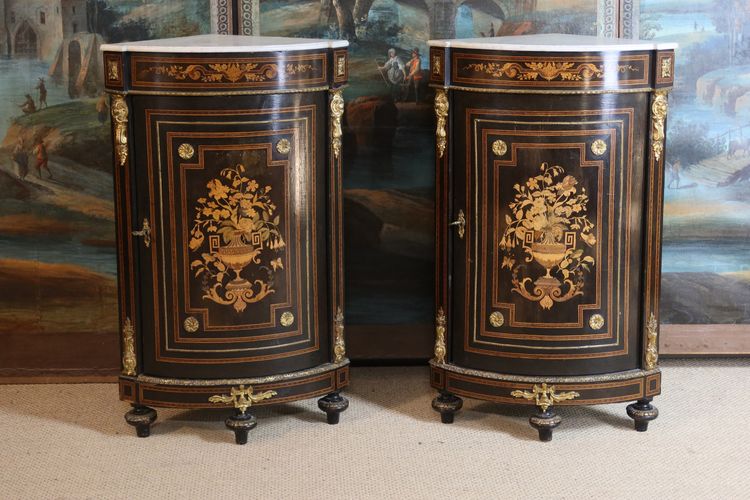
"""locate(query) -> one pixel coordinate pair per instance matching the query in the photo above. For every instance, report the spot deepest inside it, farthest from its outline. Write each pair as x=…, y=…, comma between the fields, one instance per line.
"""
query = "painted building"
x=34, y=28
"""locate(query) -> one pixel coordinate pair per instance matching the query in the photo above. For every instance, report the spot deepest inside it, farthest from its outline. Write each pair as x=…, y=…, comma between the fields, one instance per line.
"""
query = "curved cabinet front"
x=228, y=203
x=545, y=279
x=235, y=277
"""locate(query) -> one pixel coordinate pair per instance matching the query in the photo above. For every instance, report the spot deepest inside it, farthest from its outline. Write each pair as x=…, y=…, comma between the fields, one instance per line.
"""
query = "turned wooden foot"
x=241, y=424
x=544, y=421
x=141, y=417
x=333, y=404
x=642, y=412
x=447, y=405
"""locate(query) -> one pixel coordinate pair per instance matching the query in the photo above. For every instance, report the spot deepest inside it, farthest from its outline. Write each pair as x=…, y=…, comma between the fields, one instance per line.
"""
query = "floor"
x=70, y=441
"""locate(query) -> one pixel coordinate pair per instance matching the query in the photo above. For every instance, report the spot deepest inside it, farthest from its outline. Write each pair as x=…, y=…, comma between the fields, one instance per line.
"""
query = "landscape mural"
x=389, y=144
x=58, y=308
x=706, y=256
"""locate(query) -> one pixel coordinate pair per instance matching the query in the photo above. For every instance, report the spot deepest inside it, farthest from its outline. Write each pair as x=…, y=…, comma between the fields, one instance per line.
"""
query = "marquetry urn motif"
x=549, y=159
x=228, y=178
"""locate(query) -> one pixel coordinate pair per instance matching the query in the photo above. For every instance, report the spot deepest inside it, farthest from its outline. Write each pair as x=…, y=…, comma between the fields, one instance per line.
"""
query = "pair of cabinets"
x=548, y=206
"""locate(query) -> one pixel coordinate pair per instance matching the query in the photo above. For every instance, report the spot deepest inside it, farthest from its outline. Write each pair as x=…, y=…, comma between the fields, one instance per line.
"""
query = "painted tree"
x=351, y=16
x=7, y=30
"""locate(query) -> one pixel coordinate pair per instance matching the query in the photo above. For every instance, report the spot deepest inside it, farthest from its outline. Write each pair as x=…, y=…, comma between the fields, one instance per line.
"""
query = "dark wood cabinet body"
x=228, y=194
x=549, y=198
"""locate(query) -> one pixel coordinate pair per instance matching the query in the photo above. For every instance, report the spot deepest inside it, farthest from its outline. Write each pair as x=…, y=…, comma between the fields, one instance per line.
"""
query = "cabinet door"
x=233, y=280
x=546, y=278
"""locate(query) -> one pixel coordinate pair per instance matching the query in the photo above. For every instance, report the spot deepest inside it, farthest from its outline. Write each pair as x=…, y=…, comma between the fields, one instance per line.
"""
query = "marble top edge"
x=554, y=42
x=223, y=43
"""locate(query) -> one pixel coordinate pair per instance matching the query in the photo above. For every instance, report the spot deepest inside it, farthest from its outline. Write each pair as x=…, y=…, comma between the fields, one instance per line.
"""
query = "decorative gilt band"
x=128, y=349
x=242, y=398
x=113, y=74
x=337, y=111
x=582, y=91
x=652, y=343
x=437, y=65
x=321, y=88
x=545, y=396
x=664, y=68
x=339, y=346
x=658, y=116
x=440, y=350
x=119, y=109
x=441, y=113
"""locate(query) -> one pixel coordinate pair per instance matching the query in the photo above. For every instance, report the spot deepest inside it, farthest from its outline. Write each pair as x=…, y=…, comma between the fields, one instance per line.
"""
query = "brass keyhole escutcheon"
x=460, y=223
x=186, y=151
x=145, y=233
x=191, y=324
x=499, y=147
x=287, y=319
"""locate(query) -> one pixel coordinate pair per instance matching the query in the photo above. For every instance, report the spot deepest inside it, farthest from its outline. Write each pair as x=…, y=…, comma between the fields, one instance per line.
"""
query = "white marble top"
x=223, y=43
x=554, y=42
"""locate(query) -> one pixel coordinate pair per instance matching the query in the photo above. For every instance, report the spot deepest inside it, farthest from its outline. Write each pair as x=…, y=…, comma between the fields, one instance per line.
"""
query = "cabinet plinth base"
x=333, y=404
x=642, y=412
x=447, y=405
x=632, y=385
x=241, y=424
x=323, y=380
x=141, y=417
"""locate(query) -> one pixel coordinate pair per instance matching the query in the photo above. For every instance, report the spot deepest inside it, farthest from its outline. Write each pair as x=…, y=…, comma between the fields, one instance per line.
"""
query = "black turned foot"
x=544, y=422
x=642, y=412
x=447, y=405
x=241, y=424
x=141, y=417
x=333, y=404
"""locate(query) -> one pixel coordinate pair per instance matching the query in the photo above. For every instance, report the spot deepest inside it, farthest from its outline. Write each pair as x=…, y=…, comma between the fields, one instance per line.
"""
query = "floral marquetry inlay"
x=229, y=72
x=548, y=231
x=544, y=70
x=236, y=233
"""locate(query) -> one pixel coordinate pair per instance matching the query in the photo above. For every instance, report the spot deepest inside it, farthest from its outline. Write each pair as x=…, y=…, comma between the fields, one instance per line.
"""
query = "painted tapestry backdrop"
x=58, y=307
x=389, y=145
x=706, y=256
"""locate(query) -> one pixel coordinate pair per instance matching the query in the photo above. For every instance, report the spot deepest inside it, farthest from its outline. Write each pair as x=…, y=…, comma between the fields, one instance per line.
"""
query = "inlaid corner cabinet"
x=227, y=161
x=550, y=161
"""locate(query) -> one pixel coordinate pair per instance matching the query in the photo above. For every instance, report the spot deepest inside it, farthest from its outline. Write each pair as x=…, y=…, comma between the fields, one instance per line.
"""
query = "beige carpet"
x=70, y=441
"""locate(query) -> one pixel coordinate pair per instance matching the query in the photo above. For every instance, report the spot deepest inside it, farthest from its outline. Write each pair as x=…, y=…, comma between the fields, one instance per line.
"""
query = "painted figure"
x=42, y=159
x=674, y=174
x=42, y=93
x=101, y=108
x=28, y=106
x=414, y=75
x=20, y=160
x=394, y=73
